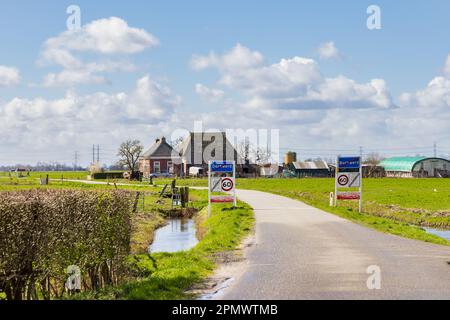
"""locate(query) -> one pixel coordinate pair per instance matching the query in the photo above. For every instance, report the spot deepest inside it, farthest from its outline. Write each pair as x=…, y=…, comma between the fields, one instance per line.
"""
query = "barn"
x=311, y=169
x=416, y=167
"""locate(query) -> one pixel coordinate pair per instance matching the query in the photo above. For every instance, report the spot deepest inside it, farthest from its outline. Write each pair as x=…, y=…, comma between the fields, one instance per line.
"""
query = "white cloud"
x=328, y=51
x=239, y=57
x=211, y=95
x=86, y=74
x=108, y=37
x=435, y=96
x=9, y=76
x=329, y=112
x=292, y=83
x=75, y=121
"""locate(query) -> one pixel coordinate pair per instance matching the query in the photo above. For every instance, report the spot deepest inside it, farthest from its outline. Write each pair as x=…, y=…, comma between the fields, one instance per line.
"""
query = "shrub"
x=43, y=232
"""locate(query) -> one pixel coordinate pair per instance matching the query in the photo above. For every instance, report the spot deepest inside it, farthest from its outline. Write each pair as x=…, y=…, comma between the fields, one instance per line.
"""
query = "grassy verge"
x=169, y=275
x=387, y=205
x=144, y=226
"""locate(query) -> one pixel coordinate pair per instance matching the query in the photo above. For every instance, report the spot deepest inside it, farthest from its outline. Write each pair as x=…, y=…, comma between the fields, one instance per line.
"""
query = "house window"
x=169, y=167
x=157, y=167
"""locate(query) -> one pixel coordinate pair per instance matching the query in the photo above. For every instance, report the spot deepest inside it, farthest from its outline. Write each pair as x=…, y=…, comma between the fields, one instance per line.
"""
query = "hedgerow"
x=44, y=232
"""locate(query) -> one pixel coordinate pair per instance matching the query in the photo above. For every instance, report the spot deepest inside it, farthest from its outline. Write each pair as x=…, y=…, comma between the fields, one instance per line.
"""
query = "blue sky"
x=408, y=52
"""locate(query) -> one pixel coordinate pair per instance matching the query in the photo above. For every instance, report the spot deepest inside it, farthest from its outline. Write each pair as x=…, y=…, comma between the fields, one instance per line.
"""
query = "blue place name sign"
x=349, y=162
x=221, y=167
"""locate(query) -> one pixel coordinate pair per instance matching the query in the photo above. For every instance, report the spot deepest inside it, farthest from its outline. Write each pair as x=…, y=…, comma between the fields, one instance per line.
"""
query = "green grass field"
x=396, y=206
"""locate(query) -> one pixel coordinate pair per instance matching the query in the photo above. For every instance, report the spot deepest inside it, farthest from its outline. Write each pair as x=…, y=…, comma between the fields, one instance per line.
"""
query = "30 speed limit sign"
x=227, y=184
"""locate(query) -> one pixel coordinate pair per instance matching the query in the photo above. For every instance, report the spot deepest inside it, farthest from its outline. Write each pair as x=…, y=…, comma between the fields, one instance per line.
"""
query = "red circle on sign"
x=343, y=180
x=227, y=184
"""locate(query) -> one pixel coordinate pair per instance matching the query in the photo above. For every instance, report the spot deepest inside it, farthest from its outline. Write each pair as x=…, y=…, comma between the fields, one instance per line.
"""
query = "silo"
x=290, y=157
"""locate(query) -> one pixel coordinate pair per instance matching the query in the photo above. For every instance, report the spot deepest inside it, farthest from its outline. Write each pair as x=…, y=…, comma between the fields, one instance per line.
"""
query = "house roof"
x=197, y=142
x=404, y=164
x=311, y=165
x=159, y=149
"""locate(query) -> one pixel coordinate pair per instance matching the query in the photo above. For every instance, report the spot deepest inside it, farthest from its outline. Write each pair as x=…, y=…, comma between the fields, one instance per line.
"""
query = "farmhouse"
x=310, y=169
x=416, y=167
x=161, y=158
x=199, y=148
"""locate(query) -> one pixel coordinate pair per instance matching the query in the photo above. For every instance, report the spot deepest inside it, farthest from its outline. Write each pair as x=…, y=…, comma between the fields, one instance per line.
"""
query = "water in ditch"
x=178, y=235
x=440, y=233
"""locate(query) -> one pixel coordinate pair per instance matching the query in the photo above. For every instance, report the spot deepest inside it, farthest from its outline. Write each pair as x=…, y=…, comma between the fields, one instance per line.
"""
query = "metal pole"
x=234, y=180
x=360, y=183
x=336, y=172
x=209, y=188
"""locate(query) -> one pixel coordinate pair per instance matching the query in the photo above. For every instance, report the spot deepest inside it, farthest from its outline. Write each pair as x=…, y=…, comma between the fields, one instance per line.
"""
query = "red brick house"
x=161, y=158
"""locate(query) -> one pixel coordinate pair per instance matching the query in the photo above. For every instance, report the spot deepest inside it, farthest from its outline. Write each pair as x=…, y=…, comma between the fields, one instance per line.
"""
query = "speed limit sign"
x=343, y=180
x=221, y=179
x=227, y=184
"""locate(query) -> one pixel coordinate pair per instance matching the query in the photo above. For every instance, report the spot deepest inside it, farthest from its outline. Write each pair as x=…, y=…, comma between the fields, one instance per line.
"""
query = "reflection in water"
x=177, y=235
x=440, y=233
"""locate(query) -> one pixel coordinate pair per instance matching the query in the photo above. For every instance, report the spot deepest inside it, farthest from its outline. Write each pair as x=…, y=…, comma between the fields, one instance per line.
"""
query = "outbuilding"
x=416, y=167
x=311, y=169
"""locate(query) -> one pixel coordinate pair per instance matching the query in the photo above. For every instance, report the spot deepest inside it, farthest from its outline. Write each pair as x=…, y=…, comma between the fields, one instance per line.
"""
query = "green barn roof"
x=405, y=164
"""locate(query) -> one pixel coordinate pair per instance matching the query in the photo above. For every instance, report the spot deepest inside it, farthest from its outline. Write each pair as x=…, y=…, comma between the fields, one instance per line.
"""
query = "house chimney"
x=163, y=139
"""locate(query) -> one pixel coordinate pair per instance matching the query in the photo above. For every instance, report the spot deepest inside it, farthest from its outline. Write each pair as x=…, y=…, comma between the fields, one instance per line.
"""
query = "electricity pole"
x=75, y=164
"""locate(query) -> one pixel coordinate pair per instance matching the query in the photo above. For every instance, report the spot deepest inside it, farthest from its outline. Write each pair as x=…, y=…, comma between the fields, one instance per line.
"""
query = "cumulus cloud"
x=77, y=120
x=9, y=76
x=328, y=51
x=105, y=37
x=236, y=58
x=435, y=96
x=211, y=95
x=292, y=83
x=90, y=73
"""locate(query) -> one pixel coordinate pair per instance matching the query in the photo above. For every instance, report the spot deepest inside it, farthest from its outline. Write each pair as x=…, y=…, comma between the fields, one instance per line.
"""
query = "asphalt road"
x=305, y=253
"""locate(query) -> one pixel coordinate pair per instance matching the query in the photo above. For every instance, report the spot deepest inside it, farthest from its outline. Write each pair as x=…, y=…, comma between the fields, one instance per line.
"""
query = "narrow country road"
x=305, y=253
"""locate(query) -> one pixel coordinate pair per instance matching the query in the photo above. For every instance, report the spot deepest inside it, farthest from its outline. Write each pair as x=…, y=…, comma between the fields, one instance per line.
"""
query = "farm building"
x=416, y=167
x=270, y=170
x=199, y=148
x=311, y=169
x=159, y=159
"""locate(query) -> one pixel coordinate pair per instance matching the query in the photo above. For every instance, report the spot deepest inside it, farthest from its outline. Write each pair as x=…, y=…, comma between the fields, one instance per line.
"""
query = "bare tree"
x=243, y=149
x=129, y=154
x=373, y=159
x=262, y=155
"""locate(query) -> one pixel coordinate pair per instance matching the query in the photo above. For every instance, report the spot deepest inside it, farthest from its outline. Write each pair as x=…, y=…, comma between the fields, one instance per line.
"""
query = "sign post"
x=221, y=178
x=348, y=175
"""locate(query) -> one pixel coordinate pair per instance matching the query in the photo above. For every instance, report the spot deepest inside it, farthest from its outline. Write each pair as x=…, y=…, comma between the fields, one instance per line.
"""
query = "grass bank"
x=162, y=276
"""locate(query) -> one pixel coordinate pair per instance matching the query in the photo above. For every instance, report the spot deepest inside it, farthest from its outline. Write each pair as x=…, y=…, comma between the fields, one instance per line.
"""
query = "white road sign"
x=349, y=180
x=216, y=184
